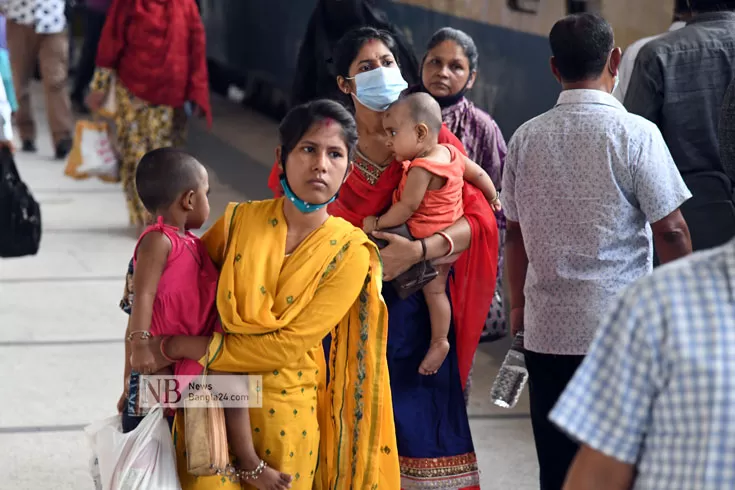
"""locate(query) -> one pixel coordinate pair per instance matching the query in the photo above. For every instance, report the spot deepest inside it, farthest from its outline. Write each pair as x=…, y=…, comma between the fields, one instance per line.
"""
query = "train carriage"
x=255, y=44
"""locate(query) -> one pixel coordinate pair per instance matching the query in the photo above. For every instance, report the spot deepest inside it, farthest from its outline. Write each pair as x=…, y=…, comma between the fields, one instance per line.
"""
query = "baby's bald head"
x=412, y=125
x=422, y=109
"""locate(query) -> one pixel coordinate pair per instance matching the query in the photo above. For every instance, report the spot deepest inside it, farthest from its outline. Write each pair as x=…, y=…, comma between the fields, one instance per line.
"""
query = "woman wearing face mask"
x=432, y=427
x=332, y=19
x=448, y=71
x=290, y=275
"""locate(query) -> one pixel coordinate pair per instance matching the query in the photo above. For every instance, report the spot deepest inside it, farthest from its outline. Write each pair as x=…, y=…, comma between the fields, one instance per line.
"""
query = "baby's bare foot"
x=435, y=357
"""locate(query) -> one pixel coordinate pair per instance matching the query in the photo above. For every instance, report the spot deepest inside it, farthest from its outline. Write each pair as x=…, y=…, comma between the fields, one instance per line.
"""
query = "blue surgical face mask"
x=301, y=205
x=379, y=88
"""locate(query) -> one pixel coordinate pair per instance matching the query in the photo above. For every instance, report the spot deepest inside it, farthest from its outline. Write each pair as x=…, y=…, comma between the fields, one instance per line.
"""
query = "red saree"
x=472, y=283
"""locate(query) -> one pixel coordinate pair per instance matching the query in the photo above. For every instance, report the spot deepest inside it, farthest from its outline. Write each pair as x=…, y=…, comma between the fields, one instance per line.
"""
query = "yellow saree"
x=275, y=310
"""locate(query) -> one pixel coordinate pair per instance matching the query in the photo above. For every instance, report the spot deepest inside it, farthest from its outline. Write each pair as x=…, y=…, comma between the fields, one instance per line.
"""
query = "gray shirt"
x=679, y=81
x=584, y=180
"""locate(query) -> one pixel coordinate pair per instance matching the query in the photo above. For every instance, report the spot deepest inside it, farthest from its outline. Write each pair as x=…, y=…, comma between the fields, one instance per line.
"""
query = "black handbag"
x=415, y=278
x=20, y=214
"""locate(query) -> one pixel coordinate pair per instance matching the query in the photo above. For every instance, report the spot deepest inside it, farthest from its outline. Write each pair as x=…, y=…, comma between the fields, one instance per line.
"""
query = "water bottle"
x=512, y=376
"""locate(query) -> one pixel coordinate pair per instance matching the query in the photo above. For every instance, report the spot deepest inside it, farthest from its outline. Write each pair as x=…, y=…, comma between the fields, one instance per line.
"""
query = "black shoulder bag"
x=20, y=214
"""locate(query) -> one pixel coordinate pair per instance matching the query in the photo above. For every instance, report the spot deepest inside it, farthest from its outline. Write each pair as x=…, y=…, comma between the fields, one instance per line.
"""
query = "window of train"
x=581, y=6
x=525, y=6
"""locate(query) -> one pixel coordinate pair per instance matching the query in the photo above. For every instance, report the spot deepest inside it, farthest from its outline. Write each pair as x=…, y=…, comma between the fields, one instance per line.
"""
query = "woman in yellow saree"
x=290, y=275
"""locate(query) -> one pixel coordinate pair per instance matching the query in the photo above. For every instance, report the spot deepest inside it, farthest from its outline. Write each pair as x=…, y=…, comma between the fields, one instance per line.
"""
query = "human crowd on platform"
x=403, y=231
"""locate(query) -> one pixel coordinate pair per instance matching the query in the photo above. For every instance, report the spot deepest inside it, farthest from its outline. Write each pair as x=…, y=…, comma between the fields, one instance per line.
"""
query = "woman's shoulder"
x=242, y=209
x=346, y=230
x=446, y=137
x=349, y=235
x=480, y=118
x=353, y=249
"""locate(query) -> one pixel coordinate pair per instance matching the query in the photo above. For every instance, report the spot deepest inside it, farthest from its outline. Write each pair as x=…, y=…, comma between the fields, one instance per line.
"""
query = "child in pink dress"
x=428, y=198
x=175, y=284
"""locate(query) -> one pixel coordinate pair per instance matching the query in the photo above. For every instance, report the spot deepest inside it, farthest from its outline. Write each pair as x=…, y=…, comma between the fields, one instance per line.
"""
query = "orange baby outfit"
x=442, y=207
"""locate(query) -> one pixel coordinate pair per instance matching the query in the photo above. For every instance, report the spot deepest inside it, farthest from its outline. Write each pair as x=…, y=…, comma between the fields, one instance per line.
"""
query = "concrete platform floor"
x=61, y=350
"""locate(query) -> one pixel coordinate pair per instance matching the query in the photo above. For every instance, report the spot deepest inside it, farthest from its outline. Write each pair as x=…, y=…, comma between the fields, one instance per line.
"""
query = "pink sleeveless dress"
x=185, y=300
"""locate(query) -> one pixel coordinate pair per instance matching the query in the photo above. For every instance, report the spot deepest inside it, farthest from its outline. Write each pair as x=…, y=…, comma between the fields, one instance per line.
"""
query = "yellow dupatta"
x=355, y=410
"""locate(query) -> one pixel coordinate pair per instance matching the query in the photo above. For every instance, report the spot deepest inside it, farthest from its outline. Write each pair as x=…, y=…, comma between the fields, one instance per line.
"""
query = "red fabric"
x=158, y=49
x=445, y=137
x=473, y=282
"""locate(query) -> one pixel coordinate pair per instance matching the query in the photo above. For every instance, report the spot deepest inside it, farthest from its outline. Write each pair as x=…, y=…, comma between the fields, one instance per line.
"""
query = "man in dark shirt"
x=679, y=82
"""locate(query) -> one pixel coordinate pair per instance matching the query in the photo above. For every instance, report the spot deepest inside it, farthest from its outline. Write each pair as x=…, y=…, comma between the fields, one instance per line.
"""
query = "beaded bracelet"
x=254, y=474
x=235, y=475
x=144, y=335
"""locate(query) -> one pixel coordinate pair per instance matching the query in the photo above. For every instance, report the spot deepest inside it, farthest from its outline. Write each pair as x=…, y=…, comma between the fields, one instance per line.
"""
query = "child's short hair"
x=163, y=175
x=423, y=108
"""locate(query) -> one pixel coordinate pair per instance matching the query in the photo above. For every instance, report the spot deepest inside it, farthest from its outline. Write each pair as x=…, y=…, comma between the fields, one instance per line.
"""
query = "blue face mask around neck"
x=377, y=89
x=300, y=204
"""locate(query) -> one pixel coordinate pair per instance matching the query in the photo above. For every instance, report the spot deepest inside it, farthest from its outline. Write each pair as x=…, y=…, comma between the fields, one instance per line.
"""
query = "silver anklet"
x=253, y=474
x=235, y=475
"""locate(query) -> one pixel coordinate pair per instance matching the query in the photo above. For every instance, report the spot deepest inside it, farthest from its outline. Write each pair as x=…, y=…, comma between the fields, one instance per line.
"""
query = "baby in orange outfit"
x=428, y=198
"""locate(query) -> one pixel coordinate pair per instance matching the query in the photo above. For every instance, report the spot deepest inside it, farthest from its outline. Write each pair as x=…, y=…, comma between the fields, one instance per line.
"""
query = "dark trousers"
x=131, y=422
x=548, y=376
x=93, y=23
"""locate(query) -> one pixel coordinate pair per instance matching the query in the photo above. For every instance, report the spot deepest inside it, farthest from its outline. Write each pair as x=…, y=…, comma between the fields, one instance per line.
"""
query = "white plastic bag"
x=96, y=151
x=143, y=459
x=94, y=470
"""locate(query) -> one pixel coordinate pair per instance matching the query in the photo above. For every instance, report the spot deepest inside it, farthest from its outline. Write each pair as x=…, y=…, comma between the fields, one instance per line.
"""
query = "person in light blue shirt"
x=5, y=71
x=653, y=404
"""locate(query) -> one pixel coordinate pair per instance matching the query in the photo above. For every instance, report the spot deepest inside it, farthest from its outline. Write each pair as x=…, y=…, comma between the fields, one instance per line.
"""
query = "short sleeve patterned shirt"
x=47, y=16
x=584, y=180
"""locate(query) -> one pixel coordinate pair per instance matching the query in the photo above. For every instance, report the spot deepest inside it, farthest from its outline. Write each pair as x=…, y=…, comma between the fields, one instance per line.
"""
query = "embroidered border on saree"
x=449, y=473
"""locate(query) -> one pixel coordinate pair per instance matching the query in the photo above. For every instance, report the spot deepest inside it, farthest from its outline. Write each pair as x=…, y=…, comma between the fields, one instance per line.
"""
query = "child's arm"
x=152, y=255
x=417, y=183
x=476, y=175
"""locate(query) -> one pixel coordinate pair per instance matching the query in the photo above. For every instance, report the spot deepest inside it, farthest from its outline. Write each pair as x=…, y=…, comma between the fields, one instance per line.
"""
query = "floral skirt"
x=141, y=127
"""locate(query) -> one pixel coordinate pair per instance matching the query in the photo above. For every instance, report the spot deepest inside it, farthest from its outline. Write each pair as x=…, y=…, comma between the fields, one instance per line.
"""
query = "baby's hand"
x=496, y=205
x=142, y=359
x=369, y=224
